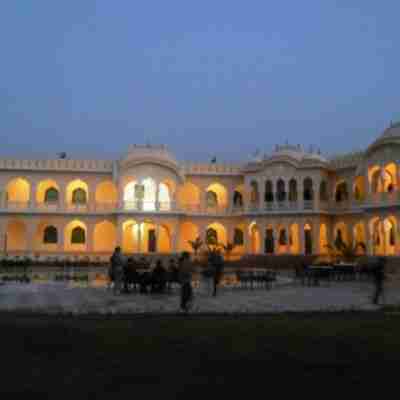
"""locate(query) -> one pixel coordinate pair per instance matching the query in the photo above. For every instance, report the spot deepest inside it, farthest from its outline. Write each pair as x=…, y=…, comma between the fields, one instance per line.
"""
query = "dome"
x=149, y=154
x=392, y=131
x=297, y=153
x=390, y=136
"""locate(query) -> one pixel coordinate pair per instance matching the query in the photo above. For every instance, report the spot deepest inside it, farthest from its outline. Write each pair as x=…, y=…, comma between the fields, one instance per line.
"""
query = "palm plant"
x=228, y=248
x=196, y=245
x=348, y=252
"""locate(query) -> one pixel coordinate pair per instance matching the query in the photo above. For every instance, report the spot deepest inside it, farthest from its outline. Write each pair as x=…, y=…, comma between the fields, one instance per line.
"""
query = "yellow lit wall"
x=221, y=192
x=189, y=194
x=105, y=237
x=295, y=247
x=18, y=190
x=16, y=236
x=106, y=192
x=188, y=231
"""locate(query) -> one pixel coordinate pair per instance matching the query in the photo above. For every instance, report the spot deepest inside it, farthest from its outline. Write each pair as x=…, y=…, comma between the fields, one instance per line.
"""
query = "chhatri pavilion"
x=289, y=202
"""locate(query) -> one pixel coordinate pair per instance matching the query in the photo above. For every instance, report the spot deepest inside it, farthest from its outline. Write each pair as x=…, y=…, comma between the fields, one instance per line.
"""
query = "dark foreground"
x=202, y=358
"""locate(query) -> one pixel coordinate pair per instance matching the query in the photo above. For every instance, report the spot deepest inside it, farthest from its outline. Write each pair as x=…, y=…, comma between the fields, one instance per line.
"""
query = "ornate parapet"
x=211, y=169
x=61, y=165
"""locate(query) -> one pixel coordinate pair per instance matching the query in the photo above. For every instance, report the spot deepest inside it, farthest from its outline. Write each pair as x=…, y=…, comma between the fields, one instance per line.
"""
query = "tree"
x=196, y=245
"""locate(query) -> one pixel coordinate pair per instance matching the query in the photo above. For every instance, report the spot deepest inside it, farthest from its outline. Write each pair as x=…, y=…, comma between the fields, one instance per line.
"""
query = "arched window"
x=211, y=237
x=78, y=236
x=254, y=192
x=269, y=241
x=323, y=191
x=392, y=239
x=212, y=199
x=51, y=195
x=293, y=190
x=50, y=235
x=341, y=192
x=269, y=192
x=238, y=239
x=79, y=196
x=237, y=199
x=339, y=242
x=282, y=237
x=308, y=189
x=280, y=188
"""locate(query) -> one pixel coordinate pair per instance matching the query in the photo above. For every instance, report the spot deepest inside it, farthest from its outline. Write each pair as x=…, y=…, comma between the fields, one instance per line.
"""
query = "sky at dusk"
x=203, y=77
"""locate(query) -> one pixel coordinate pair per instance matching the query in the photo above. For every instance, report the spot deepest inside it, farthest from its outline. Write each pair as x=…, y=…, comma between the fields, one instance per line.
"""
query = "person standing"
x=185, y=277
x=117, y=270
x=379, y=277
x=217, y=263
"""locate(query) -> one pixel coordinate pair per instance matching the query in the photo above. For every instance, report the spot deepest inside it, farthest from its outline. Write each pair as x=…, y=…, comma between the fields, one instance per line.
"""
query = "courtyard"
x=286, y=295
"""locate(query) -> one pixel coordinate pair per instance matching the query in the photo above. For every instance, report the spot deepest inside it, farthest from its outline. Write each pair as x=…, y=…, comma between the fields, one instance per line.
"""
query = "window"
x=51, y=195
x=238, y=239
x=282, y=237
x=212, y=199
x=211, y=237
x=50, y=235
x=79, y=196
x=78, y=236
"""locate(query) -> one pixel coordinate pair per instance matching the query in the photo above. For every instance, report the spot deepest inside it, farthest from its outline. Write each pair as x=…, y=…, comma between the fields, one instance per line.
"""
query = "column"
x=262, y=228
x=261, y=193
x=302, y=238
x=90, y=237
x=157, y=233
x=62, y=197
x=61, y=238
x=30, y=233
x=317, y=200
x=246, y=239
x=300, y=193
x=157, y=205
x=203, y=200
x=175, y=238
x=3, y=233
x=315, y=237
x=32, y=195
x=287, y=228
x=246, y=196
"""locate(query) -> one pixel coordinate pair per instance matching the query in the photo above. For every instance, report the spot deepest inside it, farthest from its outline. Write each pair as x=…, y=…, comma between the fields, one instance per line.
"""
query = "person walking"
x=217, y=263
x=117, y=270
x=379, y=277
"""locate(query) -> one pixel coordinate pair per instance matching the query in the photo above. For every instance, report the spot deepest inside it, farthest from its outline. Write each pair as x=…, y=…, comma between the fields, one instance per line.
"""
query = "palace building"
x=289, y=202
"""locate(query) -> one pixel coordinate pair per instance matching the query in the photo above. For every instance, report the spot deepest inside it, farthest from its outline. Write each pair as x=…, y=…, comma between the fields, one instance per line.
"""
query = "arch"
x=47, y=191
x=46, y=236
x=18, y=191
x=75, y=236
x=238, y=239
x=308, y=193
x=341, y=192
x=149, y=198
x=220, y=231
x=104, y=237
x=281, y=190
x=164, y=196
x=164, y=239
x=294, y=239
x=130, y=236
x=269, y=191
x=188, y=232
x=376, y=231
x=50, y=235
x=221, y=195
x=77, y=192
x=16, y=236
x=390, y=178
x=293, y=190
x=211, y=199
x=323, y=240
x=390, y=235
x=323, y=191
x=189, y=196
x=340, y=235
x=283, y=240
x=254, y=193
x=359, y=188
x=106, y=193
x=308, y=240
x=238, y=197
x=374, y=176
x=269, y=245
x=141, y=195
x=359, y=238
x=255, y=238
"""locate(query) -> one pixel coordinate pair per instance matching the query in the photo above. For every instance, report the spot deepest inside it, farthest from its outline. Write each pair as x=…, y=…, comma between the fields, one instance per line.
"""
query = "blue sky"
x=211, y=77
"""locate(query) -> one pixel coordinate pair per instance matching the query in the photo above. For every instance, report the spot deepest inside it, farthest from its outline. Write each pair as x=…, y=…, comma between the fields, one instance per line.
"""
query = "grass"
x=185, y=357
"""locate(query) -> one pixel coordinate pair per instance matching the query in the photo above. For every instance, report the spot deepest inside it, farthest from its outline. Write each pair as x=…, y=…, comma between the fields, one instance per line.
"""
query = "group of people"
x=121, y=273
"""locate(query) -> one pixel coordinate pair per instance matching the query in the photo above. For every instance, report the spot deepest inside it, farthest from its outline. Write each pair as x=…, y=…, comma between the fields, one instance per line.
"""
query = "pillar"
x=61, y=238
x=30, y=233
x=261, y=193
x=32, y=195
x=262, y=228
x=301, y=238
x=175, y=238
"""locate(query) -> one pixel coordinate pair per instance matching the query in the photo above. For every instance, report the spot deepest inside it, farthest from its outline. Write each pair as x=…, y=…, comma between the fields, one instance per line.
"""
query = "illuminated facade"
x=288, y=202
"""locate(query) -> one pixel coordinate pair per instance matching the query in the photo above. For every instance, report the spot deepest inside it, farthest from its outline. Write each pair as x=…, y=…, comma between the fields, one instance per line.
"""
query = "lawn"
x=184, y=357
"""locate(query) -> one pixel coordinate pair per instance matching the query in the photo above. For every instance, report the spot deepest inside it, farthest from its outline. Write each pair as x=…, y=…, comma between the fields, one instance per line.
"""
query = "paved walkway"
x=286, y=296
